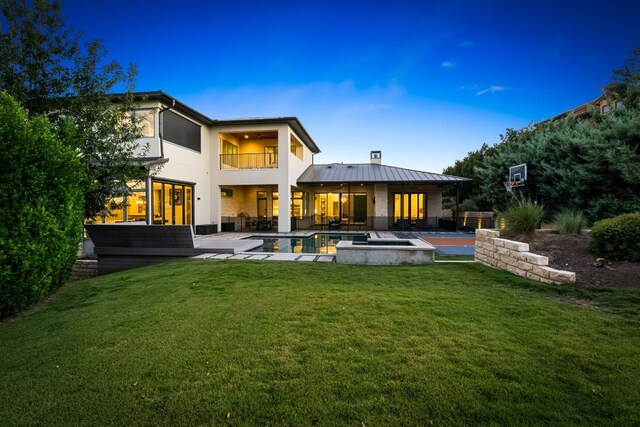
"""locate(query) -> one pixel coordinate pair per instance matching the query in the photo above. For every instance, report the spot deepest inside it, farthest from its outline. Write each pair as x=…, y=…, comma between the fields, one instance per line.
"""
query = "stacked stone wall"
x=515, y=258
x=84, y=269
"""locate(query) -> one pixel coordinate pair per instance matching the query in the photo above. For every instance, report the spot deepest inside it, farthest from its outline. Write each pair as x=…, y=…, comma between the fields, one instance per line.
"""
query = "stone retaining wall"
x=515, y=257
x=84, y=269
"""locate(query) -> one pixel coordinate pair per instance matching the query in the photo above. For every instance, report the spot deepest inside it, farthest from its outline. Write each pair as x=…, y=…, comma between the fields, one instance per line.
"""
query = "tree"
x=591, y=166
x=467, y=168
x=41, y=198
x=44, y=65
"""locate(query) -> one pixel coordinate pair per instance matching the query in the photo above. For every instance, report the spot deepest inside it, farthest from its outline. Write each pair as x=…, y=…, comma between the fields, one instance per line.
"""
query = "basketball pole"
x=457, y=204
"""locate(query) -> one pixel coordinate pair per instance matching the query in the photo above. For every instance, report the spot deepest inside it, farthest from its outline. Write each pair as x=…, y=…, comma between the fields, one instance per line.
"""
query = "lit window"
x=229, y=157
x=146, y=122
x=275, y=204
x=298, y=205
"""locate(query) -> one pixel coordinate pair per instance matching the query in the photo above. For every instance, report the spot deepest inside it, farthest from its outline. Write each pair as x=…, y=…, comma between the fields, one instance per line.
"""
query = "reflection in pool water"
x=316, y=244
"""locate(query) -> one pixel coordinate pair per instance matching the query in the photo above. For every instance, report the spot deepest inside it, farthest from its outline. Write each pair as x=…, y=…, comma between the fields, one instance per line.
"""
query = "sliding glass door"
x=348, y=208
x=172, y=203
x=409, y=209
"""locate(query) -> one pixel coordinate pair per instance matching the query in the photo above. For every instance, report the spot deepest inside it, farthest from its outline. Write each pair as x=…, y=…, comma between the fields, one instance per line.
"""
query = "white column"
x=284, y=214
x=284, y=180
x=381, y=192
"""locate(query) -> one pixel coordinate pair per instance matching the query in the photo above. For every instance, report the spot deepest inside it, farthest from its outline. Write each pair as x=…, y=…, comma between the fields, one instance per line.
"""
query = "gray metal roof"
x=338, y=173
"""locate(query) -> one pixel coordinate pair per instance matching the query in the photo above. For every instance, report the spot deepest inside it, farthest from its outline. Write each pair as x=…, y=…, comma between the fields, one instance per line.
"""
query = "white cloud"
x=492, y=89
x=277, y=100
x=446, y=65
x=467, y=43
x=347, y=120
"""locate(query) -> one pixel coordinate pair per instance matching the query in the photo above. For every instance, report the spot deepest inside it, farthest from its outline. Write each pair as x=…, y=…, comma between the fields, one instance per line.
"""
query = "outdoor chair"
x=335, y=222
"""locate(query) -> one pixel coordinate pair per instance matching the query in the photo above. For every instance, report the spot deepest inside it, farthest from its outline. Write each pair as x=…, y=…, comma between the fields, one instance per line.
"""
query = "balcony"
x=249, y=161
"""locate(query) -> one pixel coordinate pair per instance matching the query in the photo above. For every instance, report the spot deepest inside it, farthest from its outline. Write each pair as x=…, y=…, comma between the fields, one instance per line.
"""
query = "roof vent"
x=376, y=157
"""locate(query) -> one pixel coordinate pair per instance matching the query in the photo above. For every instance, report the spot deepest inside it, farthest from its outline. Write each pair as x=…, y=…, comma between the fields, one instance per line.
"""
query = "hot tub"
x=385, y=252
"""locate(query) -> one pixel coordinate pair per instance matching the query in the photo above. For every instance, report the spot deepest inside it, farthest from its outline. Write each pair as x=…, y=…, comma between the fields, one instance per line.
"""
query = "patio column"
x=284, y=215
x=381, y=206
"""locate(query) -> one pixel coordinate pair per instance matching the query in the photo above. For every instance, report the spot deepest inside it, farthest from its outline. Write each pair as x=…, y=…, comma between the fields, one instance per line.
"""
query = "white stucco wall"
x=184, y=165
x=290, y=167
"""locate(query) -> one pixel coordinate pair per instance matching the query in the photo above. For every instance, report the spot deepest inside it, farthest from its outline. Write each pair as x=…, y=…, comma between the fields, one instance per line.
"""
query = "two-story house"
x=260, y=173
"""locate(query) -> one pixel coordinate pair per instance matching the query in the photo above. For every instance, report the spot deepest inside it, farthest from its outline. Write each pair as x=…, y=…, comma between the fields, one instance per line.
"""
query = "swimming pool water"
x=317, y=244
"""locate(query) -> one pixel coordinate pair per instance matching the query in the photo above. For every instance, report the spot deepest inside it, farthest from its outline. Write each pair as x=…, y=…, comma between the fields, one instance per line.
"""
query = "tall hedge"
x=41, y=208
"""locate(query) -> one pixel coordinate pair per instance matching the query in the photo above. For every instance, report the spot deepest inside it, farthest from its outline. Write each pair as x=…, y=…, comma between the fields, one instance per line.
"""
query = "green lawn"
x=276, y=343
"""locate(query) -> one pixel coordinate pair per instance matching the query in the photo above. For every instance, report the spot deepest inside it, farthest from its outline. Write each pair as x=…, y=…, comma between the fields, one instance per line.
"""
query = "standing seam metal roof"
x=371, y=172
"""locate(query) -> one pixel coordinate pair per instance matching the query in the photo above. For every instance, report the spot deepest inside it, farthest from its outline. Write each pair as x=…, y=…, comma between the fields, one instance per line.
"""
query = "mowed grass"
x=276, y=343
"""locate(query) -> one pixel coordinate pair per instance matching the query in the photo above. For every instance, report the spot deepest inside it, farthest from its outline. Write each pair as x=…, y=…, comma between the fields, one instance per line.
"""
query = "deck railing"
x=249, y=161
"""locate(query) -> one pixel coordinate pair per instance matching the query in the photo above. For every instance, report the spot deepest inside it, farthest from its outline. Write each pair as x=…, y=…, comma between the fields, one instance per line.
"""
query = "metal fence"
x=380, y=223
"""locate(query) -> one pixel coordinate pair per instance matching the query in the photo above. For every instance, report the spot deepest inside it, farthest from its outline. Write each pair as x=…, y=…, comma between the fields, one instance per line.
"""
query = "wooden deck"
x=124, y=246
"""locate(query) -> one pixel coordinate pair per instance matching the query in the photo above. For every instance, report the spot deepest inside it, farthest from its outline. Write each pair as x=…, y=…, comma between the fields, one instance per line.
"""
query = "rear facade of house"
x=259, y=174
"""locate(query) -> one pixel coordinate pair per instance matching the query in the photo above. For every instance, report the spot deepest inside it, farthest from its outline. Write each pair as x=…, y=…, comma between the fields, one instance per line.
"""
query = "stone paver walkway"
x=271, y=257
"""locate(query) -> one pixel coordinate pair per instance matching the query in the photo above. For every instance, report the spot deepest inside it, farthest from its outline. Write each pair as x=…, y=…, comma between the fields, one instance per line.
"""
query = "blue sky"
x=425, y=82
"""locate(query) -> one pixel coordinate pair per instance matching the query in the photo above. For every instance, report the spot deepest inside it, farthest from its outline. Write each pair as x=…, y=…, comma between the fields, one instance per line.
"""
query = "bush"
x=42, y=208
x=570, y=222
x=521, y=217
x=617, y=238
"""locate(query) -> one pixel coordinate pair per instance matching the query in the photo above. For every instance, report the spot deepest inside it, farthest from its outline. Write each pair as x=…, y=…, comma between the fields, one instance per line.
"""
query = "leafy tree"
x=466, y=168
x=44, y=65
x=590, y=166
x=41, y=198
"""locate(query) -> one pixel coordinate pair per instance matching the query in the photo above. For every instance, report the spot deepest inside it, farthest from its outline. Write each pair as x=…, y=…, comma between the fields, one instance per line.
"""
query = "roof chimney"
x=376, y=157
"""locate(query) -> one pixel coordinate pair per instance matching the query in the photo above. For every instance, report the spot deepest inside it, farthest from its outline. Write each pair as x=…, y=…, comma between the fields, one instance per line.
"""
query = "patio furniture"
x=335, y=222
x=264, y=224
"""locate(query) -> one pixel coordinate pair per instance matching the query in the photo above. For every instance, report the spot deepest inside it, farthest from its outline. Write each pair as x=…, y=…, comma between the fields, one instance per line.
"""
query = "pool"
x=319, y=243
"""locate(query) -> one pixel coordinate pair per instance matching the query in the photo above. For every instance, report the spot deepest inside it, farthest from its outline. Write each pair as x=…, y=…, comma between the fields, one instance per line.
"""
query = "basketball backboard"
x=518, y=175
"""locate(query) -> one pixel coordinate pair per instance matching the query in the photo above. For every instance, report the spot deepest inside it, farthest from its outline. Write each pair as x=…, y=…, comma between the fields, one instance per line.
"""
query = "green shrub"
x=617, y=238
x=42, y=208
x=570, y=222
x=521, y=217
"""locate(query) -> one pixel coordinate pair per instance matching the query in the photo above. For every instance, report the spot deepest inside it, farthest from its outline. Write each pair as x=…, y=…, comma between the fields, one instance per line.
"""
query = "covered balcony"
x=249, y=150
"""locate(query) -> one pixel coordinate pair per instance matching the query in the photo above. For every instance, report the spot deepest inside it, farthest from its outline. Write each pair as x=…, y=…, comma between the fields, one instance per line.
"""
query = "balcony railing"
x=249, y=161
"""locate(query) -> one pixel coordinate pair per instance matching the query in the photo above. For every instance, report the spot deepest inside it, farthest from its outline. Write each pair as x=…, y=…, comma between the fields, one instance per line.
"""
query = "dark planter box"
x=207, y=229
x=228, y=226
x=447, y=224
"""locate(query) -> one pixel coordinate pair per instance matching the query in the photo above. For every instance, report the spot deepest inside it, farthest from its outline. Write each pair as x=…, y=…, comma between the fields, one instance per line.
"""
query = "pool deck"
x=232, y=245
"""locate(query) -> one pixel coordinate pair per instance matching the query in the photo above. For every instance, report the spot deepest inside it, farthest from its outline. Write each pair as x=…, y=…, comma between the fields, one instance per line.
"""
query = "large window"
x=275, y=204
x=133, y=208
x=271, y=155
x=180, y=131
x=172, y=203
x=146, y=122
x=298, y=204
x=409, y=208
x=229, y=154
x=349, y=208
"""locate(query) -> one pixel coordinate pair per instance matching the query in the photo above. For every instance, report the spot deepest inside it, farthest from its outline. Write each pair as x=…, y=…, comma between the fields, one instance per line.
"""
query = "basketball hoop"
x=510, y=184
